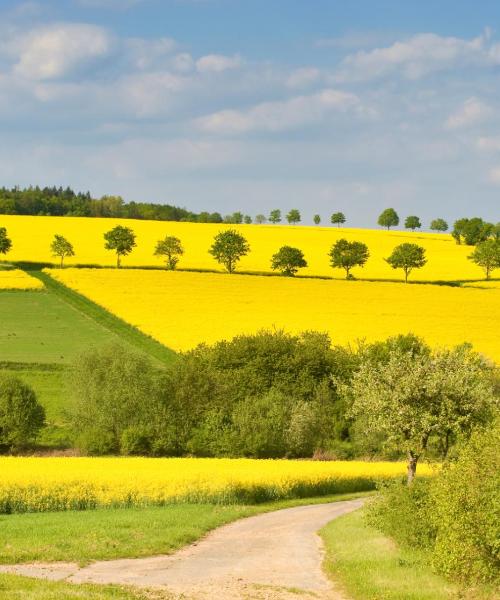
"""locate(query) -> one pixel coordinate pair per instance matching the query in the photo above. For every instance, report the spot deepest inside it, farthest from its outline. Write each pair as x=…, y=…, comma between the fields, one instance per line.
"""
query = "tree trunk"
x=62, y=259
x=117, y=261
x=412, y=467
x=406, y=276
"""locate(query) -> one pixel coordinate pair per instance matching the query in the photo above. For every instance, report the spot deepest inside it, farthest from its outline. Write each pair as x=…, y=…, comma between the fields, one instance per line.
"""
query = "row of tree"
x=53, y=201
x=230, y=246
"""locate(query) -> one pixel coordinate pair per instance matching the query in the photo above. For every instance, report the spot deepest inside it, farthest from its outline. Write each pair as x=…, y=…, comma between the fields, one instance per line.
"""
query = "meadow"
x=32, y=236
x=166, y=306
x=46, y=484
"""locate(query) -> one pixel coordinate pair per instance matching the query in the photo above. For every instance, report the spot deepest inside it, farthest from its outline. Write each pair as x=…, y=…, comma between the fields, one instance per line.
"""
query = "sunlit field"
x=15, y=279
x=31, y=237
x=182, y=310
x=43, y=484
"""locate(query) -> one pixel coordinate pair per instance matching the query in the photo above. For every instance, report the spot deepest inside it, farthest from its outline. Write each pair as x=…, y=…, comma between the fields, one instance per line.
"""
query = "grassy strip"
x=121, y=533
x=111, y=322
x=13, y=587
x=369, y=566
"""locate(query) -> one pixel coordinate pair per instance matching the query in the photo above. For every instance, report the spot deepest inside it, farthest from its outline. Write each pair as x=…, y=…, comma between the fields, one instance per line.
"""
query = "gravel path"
x=276, y=555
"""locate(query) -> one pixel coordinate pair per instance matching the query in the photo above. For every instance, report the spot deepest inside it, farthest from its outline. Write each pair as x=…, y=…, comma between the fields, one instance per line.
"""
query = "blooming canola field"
x=15, y=279
x=183, y=309
x=41, y=484
x=31, y=237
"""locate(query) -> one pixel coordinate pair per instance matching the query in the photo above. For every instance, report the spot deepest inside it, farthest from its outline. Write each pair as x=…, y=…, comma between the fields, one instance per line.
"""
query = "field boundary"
x=106, y=319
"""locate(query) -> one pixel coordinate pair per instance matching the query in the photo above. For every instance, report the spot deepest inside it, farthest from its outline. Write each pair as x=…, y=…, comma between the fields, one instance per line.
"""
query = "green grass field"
x=370, y=566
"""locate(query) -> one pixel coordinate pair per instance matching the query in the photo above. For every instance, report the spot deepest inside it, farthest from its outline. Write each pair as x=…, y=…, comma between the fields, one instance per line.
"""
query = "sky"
x=250, y=105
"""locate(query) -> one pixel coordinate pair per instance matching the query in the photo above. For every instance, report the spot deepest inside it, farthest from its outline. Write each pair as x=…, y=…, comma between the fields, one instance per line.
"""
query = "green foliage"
x=5, y=242
x=412, y=223
x=405, y=513
x=388, y=218
x=439, y=225
x=114, y=390
x=317, y=219
x=228, y=248
x=247, y=219
x=260, y=219
x=288, y=260
x=275, y=216
x=61, y=247
x=293, y=217
x=21, y=416
x=412, y=398
x=121, y=240
x=235, y=218
x=487, y=255
x=472, y=231
x=171, y=248
x=346, y=255
x=407, y=257
x=466, y=501
x=337, y=218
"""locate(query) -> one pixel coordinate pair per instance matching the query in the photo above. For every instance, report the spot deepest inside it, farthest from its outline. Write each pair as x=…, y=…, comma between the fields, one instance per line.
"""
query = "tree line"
x=58, y=201
x=230, y=246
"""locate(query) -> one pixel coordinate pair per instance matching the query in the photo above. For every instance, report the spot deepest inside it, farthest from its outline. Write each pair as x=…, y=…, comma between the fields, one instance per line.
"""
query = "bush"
x=405, y=513
x=467, y=511
x=21, y=416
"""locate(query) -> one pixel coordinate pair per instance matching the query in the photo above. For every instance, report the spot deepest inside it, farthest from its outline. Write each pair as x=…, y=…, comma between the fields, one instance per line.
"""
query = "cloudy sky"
x=322, y=105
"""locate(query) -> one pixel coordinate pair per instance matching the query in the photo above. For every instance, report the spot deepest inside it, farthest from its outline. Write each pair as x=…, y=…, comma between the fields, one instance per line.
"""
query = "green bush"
x=21, y=416
x=467, y=511
x=405, y=513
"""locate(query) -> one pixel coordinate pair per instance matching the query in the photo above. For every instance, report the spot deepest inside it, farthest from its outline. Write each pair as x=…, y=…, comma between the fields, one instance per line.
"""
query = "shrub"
x=405, y=513
x=21, y=416
x=467, y=515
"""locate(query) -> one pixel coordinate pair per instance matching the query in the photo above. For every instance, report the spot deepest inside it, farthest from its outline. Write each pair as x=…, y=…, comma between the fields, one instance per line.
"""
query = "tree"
x=412, y=398
x=260, y=219
x=439, y=225
x=346, y=255
x=472, y=231
x=5, y=242
x=388, y=218
x=275, y=216
x=61, y=247
x=228, y=247
x=487, y=255
x=121, y=240
x=338, y=219
x=407, y=257
x=293, y=217
x=288, y=260
x=317, y=219
x=247, y=219
x=412, y=223
x=235, y=218
x=21, y=416
x=171, y=248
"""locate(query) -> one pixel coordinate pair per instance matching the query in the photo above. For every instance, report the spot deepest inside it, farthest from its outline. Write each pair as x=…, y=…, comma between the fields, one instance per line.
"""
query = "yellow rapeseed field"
x=42, y=484
x=183, y=309
x=31, y=237
x=15, y=279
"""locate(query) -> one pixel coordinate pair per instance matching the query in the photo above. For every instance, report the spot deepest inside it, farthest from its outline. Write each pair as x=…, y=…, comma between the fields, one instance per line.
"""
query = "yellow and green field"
x=182, y=309
x=31, y=237
x=44, y=484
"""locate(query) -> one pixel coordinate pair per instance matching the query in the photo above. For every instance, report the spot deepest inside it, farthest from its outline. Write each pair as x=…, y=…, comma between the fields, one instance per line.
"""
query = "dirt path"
x=275, y=555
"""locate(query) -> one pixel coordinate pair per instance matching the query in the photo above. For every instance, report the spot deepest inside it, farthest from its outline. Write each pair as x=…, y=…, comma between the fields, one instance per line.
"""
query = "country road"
x=276, y=555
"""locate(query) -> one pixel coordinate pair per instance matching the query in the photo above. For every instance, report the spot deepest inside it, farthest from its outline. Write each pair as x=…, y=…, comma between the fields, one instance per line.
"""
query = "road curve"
x=276, y=555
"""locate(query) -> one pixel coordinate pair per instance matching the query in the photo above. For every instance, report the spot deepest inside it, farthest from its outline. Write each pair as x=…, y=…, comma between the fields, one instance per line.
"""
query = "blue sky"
x=251, y=105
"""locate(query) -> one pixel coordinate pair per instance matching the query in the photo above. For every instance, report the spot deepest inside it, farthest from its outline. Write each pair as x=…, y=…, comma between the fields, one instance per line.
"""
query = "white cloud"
x=494, y=175
x=280, y=116
x=490, y=144
x=303, y=77
x=471, y=112
x=418, y=56
x=145, y=53
x=183, y=62
x=217, y=63
x=54, y=51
